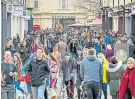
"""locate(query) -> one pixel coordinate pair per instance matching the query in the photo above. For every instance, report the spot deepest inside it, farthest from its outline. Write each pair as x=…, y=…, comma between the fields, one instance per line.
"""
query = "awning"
x=96, y=22
x=77, y=24
x=80, y=25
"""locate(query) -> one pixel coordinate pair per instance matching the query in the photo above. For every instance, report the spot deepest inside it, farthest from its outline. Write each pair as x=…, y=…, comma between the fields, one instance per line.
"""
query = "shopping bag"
x=52, y=93
x=27, y=78
x=20, y=77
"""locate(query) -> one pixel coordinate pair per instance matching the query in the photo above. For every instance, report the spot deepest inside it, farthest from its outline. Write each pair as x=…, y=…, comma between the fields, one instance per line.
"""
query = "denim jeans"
x=38, y=92
x=92, y=90
x=17, y=86
x=104, y=88
x=7, y=92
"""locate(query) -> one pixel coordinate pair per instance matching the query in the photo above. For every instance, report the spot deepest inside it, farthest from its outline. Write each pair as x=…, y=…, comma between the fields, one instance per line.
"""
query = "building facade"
x=51, y=13
x=13, y=19
x=119, y=15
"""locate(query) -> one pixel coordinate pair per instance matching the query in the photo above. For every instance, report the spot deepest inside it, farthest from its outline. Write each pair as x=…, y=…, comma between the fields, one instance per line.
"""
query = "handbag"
x=27, y=78
x=20, y=77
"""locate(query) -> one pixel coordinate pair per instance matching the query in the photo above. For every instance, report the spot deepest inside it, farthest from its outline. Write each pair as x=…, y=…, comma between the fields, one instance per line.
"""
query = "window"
x=35, y=4
x=64, y=4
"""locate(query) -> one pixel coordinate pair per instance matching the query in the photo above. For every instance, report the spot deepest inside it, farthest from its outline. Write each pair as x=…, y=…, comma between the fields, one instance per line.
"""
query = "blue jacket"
x=98, y=48
x=91, y=69
x=107, y=39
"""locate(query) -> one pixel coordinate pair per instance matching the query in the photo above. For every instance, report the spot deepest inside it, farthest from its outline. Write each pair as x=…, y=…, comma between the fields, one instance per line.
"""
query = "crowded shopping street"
x=68, y=49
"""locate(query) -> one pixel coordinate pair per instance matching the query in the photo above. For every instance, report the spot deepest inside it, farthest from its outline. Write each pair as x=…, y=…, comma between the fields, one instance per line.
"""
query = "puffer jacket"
x=39, y=70
x=114, y=74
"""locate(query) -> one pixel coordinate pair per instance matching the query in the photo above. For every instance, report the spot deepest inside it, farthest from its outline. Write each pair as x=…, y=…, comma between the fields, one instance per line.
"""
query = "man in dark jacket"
x=39, y=72
x=91, y=74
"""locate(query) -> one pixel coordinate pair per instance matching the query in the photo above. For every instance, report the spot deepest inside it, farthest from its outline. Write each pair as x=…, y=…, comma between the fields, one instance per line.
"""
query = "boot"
x=54, y=97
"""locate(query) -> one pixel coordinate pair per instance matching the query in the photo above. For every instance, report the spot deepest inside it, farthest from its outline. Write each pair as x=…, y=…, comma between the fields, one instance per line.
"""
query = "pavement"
x=59, y=89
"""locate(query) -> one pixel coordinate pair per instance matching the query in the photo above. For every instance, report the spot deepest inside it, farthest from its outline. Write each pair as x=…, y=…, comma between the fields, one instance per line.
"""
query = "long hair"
x=18, y=63
x=50, y=54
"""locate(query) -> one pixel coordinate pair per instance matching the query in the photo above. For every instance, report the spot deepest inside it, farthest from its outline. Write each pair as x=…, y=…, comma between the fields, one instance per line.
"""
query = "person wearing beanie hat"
x=68, y=70
x=114, y=74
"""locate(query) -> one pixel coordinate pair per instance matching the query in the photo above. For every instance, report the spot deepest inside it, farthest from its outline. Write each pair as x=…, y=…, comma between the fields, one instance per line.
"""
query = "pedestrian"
x=127, y=84
x=40, y=70
x=63, y=47
x=104, y=82
x=78, y=64
x=56, y=54
x=68, y=70
x=73, y=48
x=8, y=69
x=17, y=61
x=114, y=74
x=108, y=52
x=90, y=72
x=9, y=46
x=97, y=46
x=25, y=52
x=54, y=69
x=35, y=46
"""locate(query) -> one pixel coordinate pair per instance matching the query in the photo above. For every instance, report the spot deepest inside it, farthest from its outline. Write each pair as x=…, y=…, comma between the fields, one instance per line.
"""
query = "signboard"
x=133, y=9
x=121, y=52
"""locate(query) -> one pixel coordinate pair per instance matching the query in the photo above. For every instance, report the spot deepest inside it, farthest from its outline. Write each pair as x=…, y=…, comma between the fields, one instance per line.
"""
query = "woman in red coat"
x=127, y=84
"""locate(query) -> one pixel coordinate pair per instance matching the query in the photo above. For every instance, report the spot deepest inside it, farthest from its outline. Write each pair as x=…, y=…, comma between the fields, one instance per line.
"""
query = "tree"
x=89, y=5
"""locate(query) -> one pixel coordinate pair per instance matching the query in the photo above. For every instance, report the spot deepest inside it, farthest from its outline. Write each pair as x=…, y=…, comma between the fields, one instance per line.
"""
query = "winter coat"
x=107, y=40
x=63, y=48
x=124, y=82
x=11, y=49
x=114, y=74
x=39, y=71
x=25, y=53
x=54, y=69
x=73, y=48
x=104, y=71
x=98, y=48
x=70, y=70
x=108, y=54
x=90, y=70
x=35, y=47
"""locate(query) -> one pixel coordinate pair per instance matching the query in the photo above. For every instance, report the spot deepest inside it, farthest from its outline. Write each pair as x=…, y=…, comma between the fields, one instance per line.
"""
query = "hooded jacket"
x=114, y=74
x=90, y=70
x=39, y=71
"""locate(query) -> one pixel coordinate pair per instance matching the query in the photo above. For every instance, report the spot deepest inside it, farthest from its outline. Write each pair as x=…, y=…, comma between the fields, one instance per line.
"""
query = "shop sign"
x=133, y=9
